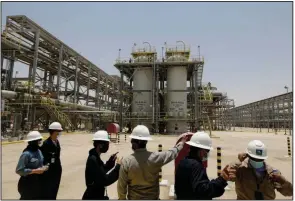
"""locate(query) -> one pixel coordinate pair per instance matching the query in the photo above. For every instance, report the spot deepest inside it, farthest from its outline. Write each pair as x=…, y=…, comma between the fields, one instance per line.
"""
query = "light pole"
x=119, y=56
x=199, y=50
x=286, y=88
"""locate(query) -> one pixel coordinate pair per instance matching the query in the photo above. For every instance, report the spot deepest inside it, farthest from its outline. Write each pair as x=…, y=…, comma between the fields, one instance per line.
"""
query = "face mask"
x=256, y=164
x=40, y=143
x=205, y=159
x=104, y=148
x=59, y=134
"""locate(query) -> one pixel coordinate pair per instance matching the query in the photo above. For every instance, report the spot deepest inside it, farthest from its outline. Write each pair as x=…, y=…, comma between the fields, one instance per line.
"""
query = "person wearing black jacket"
x=51, y=152
x=96, y=176
x=191, y=179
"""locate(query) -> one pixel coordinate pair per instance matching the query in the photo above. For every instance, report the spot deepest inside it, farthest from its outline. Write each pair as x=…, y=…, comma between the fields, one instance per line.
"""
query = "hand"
x=184, y=139
x=242, y=156
x=228, y=173
x=112, y=160
x=113, y=157
x=277, y=177
x=45, y=167
x=39, y=171
x=119, y=160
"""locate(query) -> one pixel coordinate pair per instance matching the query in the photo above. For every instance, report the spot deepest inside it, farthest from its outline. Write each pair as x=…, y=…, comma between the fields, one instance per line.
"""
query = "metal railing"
x=53, y=110
x=144, y=50
x=125, y=60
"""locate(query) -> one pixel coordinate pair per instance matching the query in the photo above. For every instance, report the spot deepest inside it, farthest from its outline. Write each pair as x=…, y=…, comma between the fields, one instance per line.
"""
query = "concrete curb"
x=44, y=136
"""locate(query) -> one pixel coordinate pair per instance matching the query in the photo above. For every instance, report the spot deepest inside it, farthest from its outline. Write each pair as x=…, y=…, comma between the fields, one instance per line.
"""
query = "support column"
x=112, y=97
x=157, y=105
x=88, y=84
x=2, y=60
x=196, y=95
x=10, y=74
x=284, y=114
x=50, y=82
x=121, y=99
x=76, y=81
x=273, y=114
x=45, y=80
x=278, y=114
x=290, y=114
x=35, y=60
x=60, y=59
x=97, y=103
x=66, y=90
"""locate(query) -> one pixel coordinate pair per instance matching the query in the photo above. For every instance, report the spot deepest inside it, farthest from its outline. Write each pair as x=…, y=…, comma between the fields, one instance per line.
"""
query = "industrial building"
x=165, y=93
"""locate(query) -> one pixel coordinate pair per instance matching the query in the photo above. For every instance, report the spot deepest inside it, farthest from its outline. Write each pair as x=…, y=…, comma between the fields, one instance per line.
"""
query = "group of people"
x=39, y=166
x=138, y=173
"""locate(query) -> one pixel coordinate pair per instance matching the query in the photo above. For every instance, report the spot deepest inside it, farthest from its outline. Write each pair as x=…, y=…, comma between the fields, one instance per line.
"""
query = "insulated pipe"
x=12, y=95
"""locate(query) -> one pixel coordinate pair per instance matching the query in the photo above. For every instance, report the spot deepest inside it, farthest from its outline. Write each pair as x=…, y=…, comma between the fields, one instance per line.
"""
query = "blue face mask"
x=256, y=164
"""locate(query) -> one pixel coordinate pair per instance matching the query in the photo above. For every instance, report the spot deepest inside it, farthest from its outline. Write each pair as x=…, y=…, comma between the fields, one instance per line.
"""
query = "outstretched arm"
x=162, y=158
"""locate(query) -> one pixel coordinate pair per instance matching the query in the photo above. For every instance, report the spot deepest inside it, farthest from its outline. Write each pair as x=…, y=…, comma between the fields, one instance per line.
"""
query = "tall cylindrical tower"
x=176, y=102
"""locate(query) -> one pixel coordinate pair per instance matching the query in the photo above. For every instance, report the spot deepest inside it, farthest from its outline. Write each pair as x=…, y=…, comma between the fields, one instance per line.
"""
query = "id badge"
x=258, y=195
x=52, y=160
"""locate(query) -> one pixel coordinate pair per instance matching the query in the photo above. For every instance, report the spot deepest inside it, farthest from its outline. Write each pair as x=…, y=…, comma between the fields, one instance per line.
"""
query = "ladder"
x=52, y=109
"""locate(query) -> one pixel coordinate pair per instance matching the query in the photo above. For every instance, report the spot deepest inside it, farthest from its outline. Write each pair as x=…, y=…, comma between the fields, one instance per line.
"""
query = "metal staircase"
x=207, y=99
x=54, y=112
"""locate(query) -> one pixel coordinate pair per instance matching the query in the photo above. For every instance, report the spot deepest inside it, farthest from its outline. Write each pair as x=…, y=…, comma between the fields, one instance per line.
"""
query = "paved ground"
x=75, y=150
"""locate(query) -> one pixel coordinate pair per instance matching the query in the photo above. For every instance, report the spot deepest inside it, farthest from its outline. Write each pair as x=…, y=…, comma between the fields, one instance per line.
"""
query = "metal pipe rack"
x=54, y=68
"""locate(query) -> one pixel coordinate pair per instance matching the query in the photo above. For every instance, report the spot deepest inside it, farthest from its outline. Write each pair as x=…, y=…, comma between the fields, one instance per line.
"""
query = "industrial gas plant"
x=165, y=93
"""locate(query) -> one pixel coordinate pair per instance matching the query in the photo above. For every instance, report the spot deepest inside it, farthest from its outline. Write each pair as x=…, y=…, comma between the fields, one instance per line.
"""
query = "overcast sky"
x=247, y=46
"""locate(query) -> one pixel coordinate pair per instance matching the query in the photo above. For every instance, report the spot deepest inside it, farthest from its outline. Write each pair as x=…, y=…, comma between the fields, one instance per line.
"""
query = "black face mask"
x=103, y=147
x=33, y=145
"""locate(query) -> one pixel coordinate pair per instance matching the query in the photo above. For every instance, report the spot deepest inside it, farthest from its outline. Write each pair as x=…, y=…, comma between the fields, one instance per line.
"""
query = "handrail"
x=125, y=60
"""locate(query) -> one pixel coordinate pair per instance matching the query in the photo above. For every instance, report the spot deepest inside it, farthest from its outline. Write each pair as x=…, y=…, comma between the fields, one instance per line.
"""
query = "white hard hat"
x=55, y=126
x=141, y=132
x=33, y=135
x=201, y=140
x=257, y=149
x=101, y=135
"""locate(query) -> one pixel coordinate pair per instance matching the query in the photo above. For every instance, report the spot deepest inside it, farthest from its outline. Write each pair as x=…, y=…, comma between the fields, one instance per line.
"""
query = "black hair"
x=141, y=143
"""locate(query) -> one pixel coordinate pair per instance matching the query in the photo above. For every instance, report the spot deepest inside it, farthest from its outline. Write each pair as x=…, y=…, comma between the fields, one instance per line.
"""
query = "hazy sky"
x=247, y=46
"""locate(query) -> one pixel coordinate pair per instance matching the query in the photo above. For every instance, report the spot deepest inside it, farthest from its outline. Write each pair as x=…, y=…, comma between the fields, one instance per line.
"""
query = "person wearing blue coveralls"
x=51, y=151
x=30, y=168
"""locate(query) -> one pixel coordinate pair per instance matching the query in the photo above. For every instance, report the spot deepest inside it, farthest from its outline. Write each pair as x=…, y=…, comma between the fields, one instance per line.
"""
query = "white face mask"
x=40, y=143
x=58, y=135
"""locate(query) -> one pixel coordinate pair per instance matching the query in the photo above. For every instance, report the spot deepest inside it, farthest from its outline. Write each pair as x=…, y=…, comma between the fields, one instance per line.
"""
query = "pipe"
x=12, y=95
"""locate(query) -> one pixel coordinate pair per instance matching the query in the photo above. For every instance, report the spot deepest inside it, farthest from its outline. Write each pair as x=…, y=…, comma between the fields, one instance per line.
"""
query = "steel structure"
x=199, y=107
x=272, y=113
x=60, y=80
